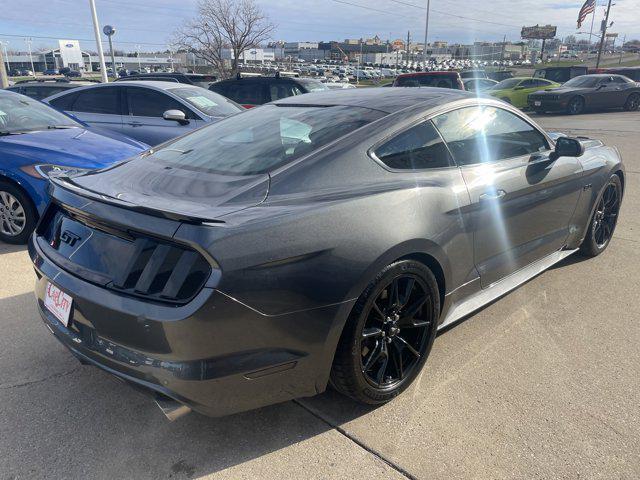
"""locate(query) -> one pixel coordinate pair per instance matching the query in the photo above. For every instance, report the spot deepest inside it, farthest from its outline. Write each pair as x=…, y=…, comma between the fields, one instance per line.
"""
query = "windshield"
x=23, y=114
x=508, y=83
x=314, y=86
x=262, y=139
x=206, y=101
x=583, y=81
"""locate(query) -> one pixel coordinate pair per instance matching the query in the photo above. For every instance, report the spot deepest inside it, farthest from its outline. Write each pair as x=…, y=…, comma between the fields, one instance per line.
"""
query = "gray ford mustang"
x=320, y=239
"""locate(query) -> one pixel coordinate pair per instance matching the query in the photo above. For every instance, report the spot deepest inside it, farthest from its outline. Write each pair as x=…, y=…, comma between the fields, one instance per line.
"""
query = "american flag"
x=588, y=7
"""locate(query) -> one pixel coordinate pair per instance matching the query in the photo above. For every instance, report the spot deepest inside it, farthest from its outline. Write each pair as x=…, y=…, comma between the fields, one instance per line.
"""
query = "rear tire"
x=633, y=102
x=18, y=215
x=575, y=106
x=604, y=219
x=388, y=334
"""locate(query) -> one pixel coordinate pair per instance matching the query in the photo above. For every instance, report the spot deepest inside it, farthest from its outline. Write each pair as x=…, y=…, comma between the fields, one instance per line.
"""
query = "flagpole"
x=593, y=16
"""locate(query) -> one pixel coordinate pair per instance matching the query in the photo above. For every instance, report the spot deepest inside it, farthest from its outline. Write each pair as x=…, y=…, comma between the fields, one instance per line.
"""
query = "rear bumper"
x=214, y=354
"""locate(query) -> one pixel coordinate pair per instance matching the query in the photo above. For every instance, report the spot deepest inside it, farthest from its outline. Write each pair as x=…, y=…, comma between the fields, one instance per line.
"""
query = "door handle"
x=135, y=124
x=498, y=194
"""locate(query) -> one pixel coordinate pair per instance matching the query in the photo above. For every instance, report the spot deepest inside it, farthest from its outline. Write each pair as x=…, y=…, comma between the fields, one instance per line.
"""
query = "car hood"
x=151, y=186
x=72, y=147
x=560, y=91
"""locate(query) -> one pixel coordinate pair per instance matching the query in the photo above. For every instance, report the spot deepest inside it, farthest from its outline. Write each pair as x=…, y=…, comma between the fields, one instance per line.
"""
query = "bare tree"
x=224, y=24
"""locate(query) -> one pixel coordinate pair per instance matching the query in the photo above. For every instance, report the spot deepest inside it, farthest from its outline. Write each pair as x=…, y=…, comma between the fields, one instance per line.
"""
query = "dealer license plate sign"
x=58, y=303
x=537, y=103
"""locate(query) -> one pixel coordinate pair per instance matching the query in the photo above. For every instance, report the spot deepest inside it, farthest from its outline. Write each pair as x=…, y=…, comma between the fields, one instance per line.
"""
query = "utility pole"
x=96, y=32
x=426, y=32
x=139, y=65
x=604, y=34
x=28, y=41
x=408, y=46
x=624, y=40
x=504, y=47
x=4, y=81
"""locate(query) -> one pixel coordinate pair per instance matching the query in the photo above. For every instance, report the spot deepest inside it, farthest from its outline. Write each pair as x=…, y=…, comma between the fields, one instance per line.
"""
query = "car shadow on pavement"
x=8, y=248
x=62, y=419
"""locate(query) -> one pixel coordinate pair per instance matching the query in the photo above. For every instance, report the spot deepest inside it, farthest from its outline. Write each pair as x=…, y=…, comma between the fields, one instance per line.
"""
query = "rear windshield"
x=202, y=80
x=206, y=101
x=314, y=85
x=262, y=139
x=437, y=80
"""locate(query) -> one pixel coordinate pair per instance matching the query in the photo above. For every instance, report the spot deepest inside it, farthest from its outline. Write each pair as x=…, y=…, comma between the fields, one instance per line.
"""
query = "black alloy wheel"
x=633, y=102
x=389, y=334
x=575, y=106
x=605, y=218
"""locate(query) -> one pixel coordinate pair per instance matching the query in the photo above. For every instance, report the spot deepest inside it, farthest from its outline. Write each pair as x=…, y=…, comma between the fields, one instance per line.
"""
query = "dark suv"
x=253, y=91
x=430, y=79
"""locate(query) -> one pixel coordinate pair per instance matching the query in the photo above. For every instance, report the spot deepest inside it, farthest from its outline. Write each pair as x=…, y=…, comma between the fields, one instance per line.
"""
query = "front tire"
x=604, y=219
x=17, y=214
x=575, y=106
x=388, y=335
x=633, y=102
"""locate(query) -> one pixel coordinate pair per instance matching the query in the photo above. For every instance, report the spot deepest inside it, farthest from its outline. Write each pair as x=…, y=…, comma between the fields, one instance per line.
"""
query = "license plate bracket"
x=58, y=303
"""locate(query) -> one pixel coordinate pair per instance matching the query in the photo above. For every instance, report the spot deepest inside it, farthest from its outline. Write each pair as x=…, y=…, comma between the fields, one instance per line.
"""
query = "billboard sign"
x=539, y=32
x=70, y=53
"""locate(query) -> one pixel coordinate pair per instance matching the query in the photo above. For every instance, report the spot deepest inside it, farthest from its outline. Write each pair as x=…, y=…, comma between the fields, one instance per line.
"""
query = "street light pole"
x=33, y=70
x=96, y=31
x=426, y=31
x=139, y=65
x=604, y=34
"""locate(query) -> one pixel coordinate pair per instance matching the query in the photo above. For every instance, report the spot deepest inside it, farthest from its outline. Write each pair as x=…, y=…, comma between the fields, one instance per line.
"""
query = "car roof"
x=388, y=100
x=261, y=79
x=159, y=84
x=420, y=74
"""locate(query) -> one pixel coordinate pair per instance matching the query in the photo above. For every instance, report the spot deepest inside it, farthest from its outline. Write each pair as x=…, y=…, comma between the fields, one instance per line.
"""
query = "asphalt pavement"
x=543, y=383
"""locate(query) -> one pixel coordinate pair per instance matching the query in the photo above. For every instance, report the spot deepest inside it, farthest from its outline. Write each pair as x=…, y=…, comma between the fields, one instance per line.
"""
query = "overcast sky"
x=150, y=22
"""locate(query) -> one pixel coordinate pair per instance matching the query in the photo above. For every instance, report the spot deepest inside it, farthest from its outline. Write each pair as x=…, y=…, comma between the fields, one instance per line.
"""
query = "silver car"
x=151, y=112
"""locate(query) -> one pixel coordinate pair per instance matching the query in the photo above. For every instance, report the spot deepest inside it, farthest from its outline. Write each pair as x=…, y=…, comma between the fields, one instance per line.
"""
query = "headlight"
x=52, y=171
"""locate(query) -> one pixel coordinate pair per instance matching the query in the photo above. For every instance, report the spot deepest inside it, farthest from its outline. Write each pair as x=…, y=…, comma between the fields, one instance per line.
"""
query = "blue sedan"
x=38, y=142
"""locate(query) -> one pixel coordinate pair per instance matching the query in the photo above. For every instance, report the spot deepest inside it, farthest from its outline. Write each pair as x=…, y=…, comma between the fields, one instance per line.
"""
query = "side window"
x=619, y=80
x=97, y=100
x=528, y=83
x=144, y=102
x=540, y=83
x=417, y=148
x=280, y=90
x=488, y=134
x=64, y=102
x=36, y=92
x=246, y=93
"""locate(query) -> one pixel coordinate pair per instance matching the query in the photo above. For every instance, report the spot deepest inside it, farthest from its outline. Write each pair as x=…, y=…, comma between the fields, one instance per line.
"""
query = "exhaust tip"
x=171, y=408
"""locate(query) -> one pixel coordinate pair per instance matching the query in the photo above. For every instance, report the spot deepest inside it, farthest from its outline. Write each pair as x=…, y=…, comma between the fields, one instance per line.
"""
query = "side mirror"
x=567, y=147
x=176, y=116
x=600, y=86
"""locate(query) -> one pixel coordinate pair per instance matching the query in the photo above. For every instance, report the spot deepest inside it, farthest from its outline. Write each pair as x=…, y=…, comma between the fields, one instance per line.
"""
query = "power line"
x=80, y=39
x=456, y=16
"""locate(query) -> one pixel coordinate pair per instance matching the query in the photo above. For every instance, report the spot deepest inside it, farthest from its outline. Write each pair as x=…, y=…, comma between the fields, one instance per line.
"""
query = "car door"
x=605, y=94
x=621, y=89
x=522, y=91
x=97, y=106
x=521, y=200
x=144, y=120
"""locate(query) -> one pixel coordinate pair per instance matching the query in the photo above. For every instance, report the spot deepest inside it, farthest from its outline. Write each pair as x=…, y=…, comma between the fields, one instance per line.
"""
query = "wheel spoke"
x=406, y=317
x=373, y=356
x=377, y=310
x=393, y=294
x=408, y=346
x=397, y=360
x=407, y=292
x=371, y=332
x=385, y=362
